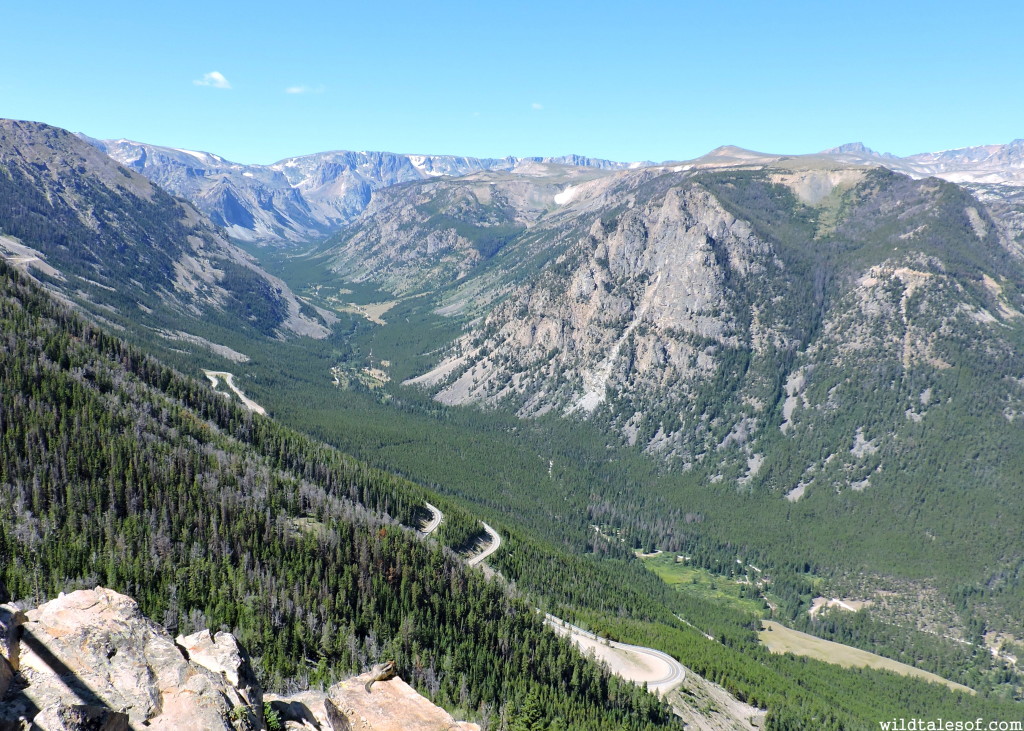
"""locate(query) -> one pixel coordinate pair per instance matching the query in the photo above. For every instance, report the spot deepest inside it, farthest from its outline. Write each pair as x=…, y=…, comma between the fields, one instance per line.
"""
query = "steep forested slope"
x=121, y=247
x=812, y=367
x=117, y=470
x=858, y=347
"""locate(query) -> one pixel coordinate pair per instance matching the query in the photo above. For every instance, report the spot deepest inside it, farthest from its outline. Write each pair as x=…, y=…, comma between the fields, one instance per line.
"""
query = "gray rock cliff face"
x=638, y=310
x=700, y=314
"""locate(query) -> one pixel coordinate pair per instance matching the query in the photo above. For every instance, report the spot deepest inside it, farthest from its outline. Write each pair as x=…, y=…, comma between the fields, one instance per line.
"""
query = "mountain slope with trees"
x=123, y=472
x=119, y=471
x=125, y=250
x=813, y=366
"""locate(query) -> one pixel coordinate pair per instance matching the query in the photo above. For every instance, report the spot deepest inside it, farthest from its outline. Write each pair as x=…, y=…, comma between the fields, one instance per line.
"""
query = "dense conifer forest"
x=118, y=471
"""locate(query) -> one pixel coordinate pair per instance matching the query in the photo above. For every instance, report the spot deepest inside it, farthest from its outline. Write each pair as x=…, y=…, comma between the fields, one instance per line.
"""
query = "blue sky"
x=627, y=81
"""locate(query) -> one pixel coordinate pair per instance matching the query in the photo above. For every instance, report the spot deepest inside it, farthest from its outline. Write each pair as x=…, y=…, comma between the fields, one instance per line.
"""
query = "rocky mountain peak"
x=304, y=197
x=850, y=148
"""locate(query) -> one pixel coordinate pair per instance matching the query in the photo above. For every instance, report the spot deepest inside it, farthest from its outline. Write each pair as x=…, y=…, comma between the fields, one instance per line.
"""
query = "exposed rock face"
x=704, y=314
x=93, y=656
x=90, y=661
x=640, y=309
x=392, y=705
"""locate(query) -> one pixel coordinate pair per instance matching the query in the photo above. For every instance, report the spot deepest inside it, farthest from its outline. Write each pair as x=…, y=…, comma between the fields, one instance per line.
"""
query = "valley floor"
x=779, y=638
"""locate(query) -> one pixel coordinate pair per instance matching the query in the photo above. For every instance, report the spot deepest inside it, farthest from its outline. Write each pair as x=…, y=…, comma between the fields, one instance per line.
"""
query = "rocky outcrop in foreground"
x=91, y=660
x=391, y=705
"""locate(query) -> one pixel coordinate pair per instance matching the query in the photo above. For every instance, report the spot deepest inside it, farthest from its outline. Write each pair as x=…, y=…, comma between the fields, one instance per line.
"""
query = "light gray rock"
x=640, y=304
x=222, y=655
x=81, y=718
x=95, y=648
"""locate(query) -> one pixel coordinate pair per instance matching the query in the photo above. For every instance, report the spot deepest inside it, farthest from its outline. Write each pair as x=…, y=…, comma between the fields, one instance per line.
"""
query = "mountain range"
x=985, y=164
x=731, y=315
x=791, y=326
x=811, y=364
x=298, y=198
x=840, y=342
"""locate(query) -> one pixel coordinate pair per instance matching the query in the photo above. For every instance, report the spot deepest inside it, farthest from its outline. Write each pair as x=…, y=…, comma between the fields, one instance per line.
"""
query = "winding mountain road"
x=436, y=516
x=494, y=545
x=229, y=379
x=662, y=672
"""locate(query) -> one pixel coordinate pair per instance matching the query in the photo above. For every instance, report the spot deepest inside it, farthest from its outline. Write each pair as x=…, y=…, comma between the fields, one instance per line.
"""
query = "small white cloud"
x=305, y=89
x=215, y=79
x=536, y=105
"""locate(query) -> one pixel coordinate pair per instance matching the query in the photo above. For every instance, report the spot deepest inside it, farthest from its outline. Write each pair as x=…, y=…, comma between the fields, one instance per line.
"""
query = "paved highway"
x=660, y=671
x=436, y=516
x=495, y=544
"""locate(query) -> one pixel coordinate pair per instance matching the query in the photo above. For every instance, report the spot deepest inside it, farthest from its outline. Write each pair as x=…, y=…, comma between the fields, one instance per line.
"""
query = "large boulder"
x=90, y=661
x=95, y=649
x=391, y=705
x=222, y=655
